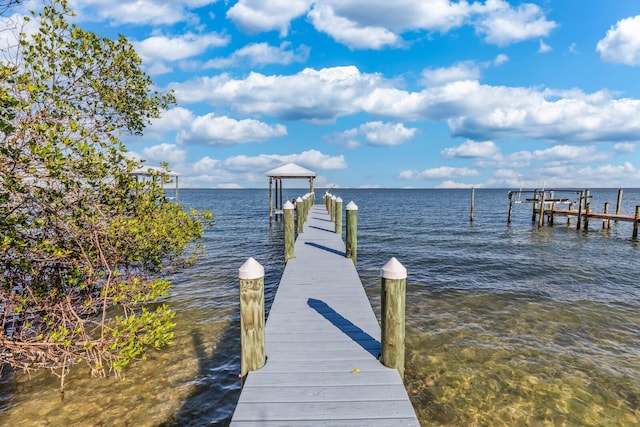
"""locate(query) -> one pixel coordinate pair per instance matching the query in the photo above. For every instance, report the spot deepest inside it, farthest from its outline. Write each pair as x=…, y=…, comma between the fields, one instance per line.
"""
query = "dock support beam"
x=635, y=222
x=352, y=232
x=394, y=284
x=252, y=357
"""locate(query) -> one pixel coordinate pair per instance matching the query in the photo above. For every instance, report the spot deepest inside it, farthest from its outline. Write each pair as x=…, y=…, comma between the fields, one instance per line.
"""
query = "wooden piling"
x=606, y=223
x=289, y=237
x=541, y=210
x=394, y=283
x=580, y=204
x=533, y=211
x=352, y=232
x=270, y=200
x=252, y=342
x=338, y=216
x=635, y=222
x=510, y=208
x=619, y=203
x=473, y=201
x=569, y=216
x=586, y=216
x=299, y=215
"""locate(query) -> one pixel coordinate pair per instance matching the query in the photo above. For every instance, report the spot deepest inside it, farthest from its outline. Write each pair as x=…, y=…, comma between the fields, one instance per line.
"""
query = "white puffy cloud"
x=374, y=24
x=502, y=24
x=500, y=59
x=173, y=119
x=375, y=133
x=254, y=16
x=227, y=173
x=442, y=172
x=472, y=149
x=169, y=153
x=544, y=48
x=384, y=134
x=449, y=184
x=154, y=12
x=317, y=95
x=160, y=47
x=471, y=109
x=261, y=54
x=467, y=70
x=621, y=44
x=222, y=130
x=349, y=33
x=624, y=147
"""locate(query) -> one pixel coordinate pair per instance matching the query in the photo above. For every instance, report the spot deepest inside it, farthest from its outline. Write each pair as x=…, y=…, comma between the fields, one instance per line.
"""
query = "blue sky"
x=379, y=93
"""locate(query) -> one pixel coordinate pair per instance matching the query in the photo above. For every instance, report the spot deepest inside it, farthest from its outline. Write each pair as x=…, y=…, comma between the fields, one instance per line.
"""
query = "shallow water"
x=506, y=324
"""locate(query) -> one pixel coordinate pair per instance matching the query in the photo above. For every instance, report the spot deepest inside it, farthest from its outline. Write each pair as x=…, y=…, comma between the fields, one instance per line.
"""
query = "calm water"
x=506, y=324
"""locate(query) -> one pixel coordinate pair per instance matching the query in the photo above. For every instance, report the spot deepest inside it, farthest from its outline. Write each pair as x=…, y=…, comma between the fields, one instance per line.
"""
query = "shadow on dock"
x=366, y=341
x=325, y=248
x=322, y=229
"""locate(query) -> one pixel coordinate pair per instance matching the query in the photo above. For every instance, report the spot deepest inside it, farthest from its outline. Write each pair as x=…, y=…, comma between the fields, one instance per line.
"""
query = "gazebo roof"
x=290, y=170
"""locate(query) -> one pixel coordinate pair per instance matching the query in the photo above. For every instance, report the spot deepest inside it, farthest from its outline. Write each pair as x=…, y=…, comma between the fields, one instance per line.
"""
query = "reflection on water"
x=506, y=324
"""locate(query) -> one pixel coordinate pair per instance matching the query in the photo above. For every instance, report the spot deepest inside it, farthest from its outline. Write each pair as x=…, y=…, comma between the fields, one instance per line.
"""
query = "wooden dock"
x=322, y=346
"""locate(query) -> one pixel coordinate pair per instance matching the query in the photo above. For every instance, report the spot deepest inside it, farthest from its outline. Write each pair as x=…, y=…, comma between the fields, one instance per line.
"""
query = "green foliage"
x=80, y=237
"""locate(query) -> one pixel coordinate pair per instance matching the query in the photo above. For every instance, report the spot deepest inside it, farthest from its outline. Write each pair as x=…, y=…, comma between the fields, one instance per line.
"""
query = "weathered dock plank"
x=322, y=346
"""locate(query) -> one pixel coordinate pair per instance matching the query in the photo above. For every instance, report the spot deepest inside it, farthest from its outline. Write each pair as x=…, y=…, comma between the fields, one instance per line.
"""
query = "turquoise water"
x=506, y=324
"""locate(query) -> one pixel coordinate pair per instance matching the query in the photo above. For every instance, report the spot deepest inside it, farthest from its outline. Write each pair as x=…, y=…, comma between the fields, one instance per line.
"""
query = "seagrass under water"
x=506, y=325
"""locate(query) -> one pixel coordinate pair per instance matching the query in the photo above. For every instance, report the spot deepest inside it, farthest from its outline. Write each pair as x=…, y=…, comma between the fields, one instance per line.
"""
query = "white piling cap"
x=339, y=200
x=299, y=199
x=351, y=206
x=251, y=269
x=288, y=205
x=333, y=197
x=393, y=270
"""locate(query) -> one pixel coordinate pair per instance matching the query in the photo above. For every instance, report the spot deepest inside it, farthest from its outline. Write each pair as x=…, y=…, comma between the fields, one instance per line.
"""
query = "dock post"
x=352, y=232
x=586, y=215
x=305, y=208
x=619, y=204
x=252, y=342
x=635, y=222
x=299, y=215
x=580, y=210
x=338, y=215
x=568, y=215
x=394, y=283
x=289, y=238
x=270, y=200
x=606, y=222
x=332, y=208
x=510, y=207
x=535, y=199
x=473, y=202
x=541, y=212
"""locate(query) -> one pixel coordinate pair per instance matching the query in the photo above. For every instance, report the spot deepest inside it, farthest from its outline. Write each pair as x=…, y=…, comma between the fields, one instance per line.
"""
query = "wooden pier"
x=322, y=343
x=545, y=205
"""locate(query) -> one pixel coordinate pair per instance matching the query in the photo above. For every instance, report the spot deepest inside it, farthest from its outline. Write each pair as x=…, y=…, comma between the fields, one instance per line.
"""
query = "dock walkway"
x=322, y=344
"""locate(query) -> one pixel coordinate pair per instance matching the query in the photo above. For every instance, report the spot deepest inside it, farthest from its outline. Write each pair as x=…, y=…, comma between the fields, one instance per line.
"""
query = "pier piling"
x=289, y=234
x=393, y=279
x=338, y=215
x=352, y=232
x=252, y=321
